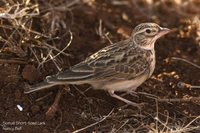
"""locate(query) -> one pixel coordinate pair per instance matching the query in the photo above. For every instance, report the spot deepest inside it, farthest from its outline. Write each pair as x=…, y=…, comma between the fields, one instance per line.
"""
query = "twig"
x=184, y=60
x=106, y=35
x=12, y=61
x=172, y=129
x=68, y=44
x=185, y=128
x=60, y=122
x=122, y=126
x=41, y=98
x=56, y=64
x=79, y=130
x=101, y=33
x=190, y=99
x=54, y=48
x=157, y=111
x=177, y=129
x=54, y=107
x=26, y=29
x=183, y=85
x=34, y=54
x=44, y=58
x=63, y=7
x=119, y=2
x=19, y=13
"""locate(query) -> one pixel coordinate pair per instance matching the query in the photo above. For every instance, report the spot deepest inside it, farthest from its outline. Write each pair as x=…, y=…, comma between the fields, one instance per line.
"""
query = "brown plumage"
x=122, y=66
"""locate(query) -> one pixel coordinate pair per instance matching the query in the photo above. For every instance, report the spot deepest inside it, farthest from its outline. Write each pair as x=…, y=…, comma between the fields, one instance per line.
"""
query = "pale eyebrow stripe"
x=154, y=28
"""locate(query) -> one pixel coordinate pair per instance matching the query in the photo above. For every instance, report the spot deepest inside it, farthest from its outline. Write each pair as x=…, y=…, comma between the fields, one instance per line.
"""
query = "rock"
x=30, y=73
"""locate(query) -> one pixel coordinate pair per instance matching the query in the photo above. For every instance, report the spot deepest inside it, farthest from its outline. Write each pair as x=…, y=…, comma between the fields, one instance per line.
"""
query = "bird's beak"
x=163, y=31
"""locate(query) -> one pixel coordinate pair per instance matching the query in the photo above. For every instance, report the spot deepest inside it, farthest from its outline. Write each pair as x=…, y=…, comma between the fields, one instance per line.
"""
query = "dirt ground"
x=38, y=37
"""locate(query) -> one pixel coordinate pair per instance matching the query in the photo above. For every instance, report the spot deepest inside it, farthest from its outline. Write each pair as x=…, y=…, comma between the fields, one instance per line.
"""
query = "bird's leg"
x=135, y=94
x=112, y=93
x=131, y=92
x=147, y=95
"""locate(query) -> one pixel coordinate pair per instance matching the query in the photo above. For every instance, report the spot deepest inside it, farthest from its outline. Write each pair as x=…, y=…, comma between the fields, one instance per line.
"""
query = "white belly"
x=125, y=85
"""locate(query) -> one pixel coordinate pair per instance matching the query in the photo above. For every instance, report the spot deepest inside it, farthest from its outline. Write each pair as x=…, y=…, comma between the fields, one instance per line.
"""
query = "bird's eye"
x=148, y=31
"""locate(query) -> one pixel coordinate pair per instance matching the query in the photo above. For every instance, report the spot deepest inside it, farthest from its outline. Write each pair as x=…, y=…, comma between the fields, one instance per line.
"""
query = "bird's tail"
x=37, y=87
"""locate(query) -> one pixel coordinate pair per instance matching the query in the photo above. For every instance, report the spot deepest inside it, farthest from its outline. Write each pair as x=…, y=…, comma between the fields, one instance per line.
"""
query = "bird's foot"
x=132, y=93
x=148, y=95
x=136, y=94
x=138, y=105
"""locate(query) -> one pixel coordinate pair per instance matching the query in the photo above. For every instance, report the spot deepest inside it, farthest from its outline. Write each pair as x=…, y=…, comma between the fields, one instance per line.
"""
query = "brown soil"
x=79, y=107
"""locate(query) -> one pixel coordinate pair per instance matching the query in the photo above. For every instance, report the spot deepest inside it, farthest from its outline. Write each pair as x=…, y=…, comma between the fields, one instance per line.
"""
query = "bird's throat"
x=147, y=47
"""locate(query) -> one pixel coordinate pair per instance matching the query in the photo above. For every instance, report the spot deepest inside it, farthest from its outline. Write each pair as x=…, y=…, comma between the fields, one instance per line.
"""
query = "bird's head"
x=144, y=35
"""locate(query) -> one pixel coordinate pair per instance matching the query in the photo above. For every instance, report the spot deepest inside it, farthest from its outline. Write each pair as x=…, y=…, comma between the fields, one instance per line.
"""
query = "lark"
x=122, y=66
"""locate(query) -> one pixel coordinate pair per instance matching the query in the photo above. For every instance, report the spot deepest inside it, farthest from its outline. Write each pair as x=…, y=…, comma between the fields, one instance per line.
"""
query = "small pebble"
x=20, y=107
x=35, y=109
x=30, y=73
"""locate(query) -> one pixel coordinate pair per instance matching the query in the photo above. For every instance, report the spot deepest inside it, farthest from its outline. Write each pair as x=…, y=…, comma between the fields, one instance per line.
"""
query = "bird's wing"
x=128, y=68
x=122, y=60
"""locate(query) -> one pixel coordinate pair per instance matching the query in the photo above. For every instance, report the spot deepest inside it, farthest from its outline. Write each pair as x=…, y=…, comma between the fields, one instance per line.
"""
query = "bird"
x=120, y=67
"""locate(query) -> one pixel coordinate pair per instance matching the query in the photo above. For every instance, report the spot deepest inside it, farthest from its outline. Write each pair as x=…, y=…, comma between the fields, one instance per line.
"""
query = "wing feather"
x=122, y=60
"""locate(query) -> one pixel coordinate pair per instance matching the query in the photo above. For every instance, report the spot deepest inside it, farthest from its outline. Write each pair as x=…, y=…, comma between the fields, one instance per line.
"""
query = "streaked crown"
x=145, y=35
